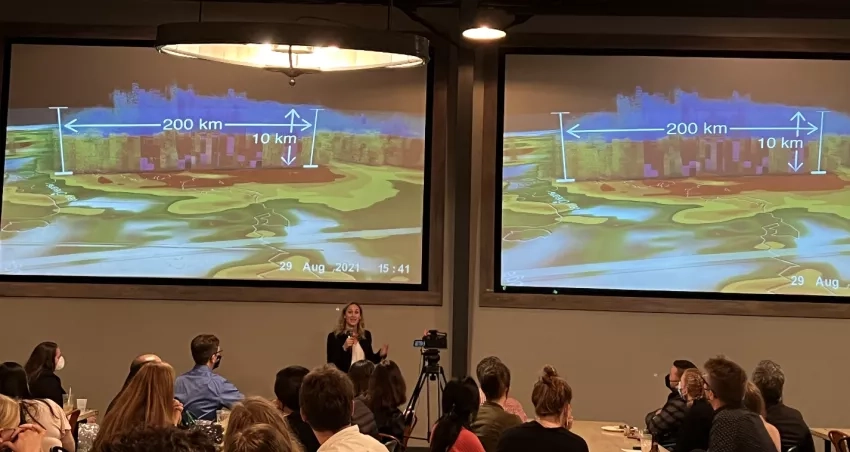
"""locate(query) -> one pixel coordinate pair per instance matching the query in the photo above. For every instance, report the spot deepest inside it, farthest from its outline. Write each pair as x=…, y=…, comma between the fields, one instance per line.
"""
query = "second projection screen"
x=676, y=174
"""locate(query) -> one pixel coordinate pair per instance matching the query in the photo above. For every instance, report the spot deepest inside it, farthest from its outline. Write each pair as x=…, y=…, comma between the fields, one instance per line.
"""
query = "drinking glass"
x=81, y=404
x=645, y=441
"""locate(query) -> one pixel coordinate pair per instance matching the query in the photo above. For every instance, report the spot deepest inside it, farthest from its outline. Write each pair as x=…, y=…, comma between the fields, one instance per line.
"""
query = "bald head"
x=144, y=359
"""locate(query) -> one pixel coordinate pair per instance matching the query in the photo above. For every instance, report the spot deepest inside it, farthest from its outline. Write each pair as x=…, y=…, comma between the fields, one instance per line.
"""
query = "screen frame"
x=426, y=292
x=497, y=295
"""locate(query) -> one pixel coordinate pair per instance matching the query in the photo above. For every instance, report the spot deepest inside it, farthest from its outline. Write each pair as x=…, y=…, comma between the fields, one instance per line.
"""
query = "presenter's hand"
x=349, y=343
x=384, y=350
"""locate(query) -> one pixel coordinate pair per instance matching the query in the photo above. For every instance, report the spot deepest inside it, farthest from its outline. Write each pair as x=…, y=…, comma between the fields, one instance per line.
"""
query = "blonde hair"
x=753, y=400
x=342, y=326
x=256, y=438
x=692, y=383
x=10, y=413
x=551, y=393
x=256, y=410
x=148, y=401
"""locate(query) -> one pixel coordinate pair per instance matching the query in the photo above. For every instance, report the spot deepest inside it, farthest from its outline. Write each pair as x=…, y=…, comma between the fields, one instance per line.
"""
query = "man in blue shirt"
x=201, y=391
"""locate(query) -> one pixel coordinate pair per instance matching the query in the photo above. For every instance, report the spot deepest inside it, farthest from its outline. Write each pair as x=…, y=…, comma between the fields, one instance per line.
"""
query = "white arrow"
x=73, y=126
x=292, y=125
x=574, y=130
x=292, y=114
x=810, y=129
x=798, y=116
x=797, y=163
x=289, y=158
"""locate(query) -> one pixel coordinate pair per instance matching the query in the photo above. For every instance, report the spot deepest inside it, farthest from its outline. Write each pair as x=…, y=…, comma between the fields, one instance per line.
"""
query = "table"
x=599, y=441
x=823, y=433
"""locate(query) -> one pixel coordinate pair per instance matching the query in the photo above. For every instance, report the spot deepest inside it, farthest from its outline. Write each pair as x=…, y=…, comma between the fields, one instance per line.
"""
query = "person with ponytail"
x=460, y=404
x=552, y=398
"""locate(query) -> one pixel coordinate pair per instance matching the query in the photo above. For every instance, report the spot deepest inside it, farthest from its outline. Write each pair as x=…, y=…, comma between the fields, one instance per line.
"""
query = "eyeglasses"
x=705, y=385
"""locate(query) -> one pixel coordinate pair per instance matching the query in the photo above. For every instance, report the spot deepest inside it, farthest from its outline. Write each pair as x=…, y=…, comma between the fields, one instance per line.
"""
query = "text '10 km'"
x=784, y=143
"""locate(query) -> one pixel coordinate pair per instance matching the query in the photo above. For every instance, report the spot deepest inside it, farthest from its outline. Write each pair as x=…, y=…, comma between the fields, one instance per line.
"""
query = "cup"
x=81, y=404
x=645, y=441
x=66, y=401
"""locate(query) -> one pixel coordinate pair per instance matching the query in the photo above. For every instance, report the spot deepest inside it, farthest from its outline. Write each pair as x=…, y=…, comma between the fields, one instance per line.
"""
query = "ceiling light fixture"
x=483, y=33
x=292, y=49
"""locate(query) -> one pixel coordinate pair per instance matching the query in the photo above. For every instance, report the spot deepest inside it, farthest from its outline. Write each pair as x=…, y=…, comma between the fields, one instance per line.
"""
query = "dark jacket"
x=390, y=421
x=342, y=358
x=303, y=432
x=696, y=427
x=739, y=430
x=47, y=386
x=793, y=430
x=363, y=417
x=665, y=425
x=491, y=421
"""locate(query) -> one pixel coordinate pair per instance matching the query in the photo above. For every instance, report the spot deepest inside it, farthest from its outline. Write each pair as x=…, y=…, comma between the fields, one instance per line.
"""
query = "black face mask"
x=217, y=362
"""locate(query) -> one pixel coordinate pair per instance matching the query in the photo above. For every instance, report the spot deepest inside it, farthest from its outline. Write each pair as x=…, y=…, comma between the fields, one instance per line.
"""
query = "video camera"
x=433, y=339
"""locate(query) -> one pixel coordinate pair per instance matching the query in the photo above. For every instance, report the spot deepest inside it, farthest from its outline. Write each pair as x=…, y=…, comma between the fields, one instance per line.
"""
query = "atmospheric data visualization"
x=128, y=163
x=676, y=174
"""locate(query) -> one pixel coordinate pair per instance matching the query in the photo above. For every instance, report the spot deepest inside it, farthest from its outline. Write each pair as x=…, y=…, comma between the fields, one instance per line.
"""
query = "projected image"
x=676, y=174
x=121, y=162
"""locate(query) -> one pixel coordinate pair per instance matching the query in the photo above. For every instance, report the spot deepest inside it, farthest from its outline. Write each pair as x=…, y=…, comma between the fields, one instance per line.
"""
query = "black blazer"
x=47, y=386
x=342, y=358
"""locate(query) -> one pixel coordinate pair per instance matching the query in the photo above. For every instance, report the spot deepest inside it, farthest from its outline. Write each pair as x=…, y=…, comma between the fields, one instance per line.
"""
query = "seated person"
x=160, y=439
x=511, y=404
x=256, y=438
x=664, y=423
x=42, y=412
x=459, y=405
x=755, y=403
x=793, y=431
x=360, y=374
x=696, y=426
x=326, y=398
x=202, y=391
x=256, y=410
x=287, y=385
x=387, y=392
x=735, y=428
x=552, y=398
x=492, y=419
x=137, y=364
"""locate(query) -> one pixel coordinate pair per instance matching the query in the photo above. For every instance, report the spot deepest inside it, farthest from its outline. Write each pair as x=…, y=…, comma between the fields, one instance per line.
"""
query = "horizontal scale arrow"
x=810, y=129
x=304, y=125
x=73, y=126
x=574, y=130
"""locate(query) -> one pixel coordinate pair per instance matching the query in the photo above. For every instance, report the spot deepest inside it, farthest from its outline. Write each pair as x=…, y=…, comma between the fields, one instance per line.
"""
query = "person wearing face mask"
x=46, y=359
x=350, y=341
x=664, y=423
x=552, y=398
x=202, y=391
x=696, y=426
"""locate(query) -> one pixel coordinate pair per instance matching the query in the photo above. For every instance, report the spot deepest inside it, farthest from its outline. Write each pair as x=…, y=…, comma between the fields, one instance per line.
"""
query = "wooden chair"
x=410, y=420
x=392, y=443
x=838, y=440
x=74, y=422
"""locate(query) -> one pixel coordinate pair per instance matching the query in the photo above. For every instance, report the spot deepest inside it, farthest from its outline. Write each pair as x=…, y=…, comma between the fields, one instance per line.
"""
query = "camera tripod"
x=432, y=373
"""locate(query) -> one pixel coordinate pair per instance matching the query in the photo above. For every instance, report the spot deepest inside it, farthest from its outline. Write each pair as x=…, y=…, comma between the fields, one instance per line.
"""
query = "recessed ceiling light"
x=292, y=49
x=483, y=33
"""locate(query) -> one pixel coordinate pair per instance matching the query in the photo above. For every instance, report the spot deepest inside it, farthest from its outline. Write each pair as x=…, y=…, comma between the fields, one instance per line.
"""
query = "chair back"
x=410, y=420
x=392, y=443
x=838, y=440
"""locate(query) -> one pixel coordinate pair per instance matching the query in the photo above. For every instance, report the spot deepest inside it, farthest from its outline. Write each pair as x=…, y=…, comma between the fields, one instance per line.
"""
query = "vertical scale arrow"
x=797, y=163
x=798, y=117
x=289, y=158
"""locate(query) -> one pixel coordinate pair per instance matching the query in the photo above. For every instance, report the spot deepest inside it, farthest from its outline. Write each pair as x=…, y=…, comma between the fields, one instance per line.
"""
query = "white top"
x=350, y=439
x=52, y=418
x=357, y=353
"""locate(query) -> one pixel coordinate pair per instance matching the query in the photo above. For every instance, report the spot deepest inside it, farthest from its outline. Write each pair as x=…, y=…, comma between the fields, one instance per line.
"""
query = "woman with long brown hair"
x=147, y=401
x=256, y=410
x=552, y=398
x=387, y=392
x=350, y=341
x=696, y=426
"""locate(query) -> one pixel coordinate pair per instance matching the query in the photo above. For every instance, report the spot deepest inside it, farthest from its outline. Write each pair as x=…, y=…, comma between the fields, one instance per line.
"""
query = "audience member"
x=511, y=404
x=735, y=429
x=256, y=438
x=754, y=402
x=492, y=419
x=664, y=423
x=160, y=439
x=350, y=341
x=148, y=401
x=387, y=391
x=25, y=438
x=326, y=399
x=43, y=412
x=46, y=359
x=793, y=430
x=552, y=398
x=256, y=410
x=287, y=385
x=452, y=432
x=360, y=374
x=696, y=426
x=10, y=417
x=202, y=391
x=137, y=364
